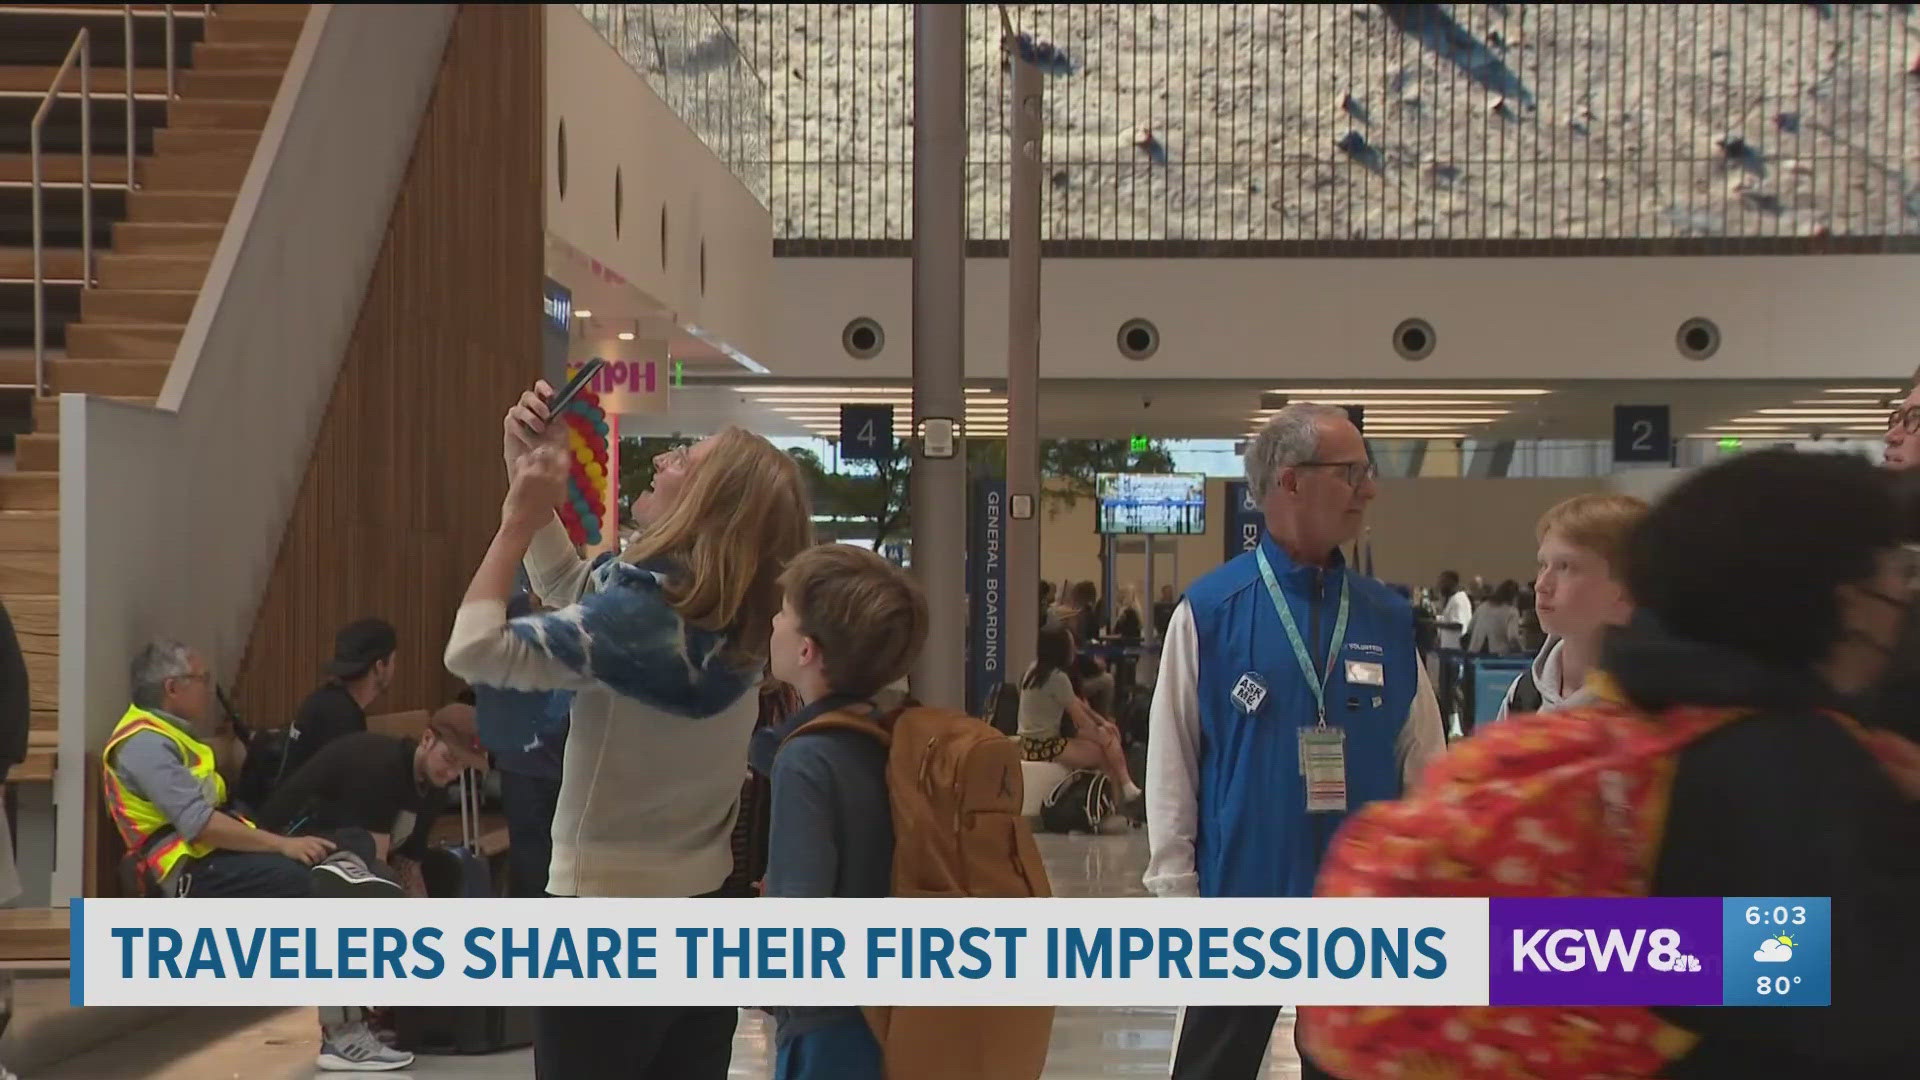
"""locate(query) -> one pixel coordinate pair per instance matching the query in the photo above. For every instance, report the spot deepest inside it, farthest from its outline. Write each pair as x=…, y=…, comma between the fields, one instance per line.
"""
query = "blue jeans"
x=845, y=1050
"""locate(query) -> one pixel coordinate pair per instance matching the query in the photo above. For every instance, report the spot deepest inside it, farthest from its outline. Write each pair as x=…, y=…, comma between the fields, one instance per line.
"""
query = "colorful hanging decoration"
x=585, y=507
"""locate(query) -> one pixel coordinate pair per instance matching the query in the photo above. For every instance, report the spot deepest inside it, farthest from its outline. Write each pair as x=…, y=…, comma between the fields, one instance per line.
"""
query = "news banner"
x=1091, y=952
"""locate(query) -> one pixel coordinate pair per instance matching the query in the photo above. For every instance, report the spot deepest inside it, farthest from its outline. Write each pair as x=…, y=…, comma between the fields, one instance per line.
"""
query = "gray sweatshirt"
x=1546, y=677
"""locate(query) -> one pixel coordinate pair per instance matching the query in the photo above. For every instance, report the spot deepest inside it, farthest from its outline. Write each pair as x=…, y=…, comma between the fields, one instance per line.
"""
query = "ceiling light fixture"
x=1356, y=392
x=625, y=335
x=582, y=313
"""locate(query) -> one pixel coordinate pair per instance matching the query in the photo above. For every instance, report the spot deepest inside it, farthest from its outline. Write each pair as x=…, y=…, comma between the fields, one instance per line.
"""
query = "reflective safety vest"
x=143, y=826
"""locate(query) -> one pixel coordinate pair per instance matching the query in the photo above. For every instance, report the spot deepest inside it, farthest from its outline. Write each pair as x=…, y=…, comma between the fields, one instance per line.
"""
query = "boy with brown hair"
x=1579, y=592
x=851, y=625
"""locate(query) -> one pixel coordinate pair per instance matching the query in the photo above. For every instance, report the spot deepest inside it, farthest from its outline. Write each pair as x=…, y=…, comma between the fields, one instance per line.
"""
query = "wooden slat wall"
x=403, y=490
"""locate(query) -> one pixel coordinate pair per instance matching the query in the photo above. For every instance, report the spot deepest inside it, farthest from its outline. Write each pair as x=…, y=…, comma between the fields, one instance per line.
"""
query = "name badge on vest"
x=1248, y=693
x=1366, y=673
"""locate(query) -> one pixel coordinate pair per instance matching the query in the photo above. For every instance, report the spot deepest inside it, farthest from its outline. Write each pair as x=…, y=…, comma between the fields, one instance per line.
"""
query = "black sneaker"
x=343, y=874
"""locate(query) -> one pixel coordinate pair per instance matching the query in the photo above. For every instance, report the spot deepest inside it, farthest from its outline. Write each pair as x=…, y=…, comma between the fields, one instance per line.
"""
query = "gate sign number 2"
x=1643, y=433
x=866, y=432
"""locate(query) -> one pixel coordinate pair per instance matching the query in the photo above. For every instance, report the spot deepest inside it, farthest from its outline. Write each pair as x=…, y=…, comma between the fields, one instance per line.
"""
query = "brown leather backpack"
x=953, y=783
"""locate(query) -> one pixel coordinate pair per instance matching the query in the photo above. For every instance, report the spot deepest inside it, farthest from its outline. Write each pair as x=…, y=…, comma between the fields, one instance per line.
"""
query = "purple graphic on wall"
x=1653, y=951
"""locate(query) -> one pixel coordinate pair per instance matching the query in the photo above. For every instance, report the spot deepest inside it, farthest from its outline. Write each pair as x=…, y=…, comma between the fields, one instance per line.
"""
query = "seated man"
x=388, y=786
x=169, y=802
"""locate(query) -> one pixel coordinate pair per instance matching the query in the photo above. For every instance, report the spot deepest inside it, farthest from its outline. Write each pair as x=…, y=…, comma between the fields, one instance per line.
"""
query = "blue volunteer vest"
x=1256, y=837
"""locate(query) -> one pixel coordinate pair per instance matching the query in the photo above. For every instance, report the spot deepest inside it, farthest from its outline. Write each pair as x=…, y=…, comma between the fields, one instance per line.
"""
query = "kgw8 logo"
x=1577, y=950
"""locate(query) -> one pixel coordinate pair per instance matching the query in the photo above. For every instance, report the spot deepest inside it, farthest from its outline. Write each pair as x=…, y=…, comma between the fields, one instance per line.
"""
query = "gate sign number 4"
x=1643, y=433
x=866, y=432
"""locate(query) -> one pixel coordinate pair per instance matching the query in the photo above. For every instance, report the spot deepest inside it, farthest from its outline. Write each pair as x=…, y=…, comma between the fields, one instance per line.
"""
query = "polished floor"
x=280, y=1044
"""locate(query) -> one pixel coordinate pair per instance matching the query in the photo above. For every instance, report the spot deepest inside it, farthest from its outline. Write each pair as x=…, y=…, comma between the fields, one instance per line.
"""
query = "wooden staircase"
x=147, y=280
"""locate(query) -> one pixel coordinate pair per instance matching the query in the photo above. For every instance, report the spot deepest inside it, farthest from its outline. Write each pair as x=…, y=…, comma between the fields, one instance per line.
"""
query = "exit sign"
x=1139, y=445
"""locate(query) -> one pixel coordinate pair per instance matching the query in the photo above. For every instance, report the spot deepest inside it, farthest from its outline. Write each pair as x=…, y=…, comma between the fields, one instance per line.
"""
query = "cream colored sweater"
x=654, y=760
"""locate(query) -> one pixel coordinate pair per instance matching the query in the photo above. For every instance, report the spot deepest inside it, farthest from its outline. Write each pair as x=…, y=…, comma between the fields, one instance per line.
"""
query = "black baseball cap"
x=360, y=645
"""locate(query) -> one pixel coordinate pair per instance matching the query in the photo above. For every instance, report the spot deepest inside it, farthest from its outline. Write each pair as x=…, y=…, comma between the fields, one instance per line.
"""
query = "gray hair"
x=1290, y=437
x=160, y=660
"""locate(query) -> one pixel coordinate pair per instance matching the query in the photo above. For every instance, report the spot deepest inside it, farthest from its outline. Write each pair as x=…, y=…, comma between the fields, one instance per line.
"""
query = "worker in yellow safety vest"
x=164, y=788
x=165, y=792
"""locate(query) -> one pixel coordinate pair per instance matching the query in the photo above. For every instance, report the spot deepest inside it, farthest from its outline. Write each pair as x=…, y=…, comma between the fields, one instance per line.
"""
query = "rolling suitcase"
x=462, y=871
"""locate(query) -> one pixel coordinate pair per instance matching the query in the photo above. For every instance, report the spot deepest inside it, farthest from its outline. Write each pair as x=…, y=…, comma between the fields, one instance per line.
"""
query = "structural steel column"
x=1023, y=367
x=939, y=485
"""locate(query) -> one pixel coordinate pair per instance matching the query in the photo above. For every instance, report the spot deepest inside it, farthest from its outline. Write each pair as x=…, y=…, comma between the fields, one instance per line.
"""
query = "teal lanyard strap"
x=1317, y=681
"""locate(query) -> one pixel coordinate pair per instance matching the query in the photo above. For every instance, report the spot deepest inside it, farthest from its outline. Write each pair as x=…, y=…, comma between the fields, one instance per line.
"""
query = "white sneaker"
x=354, y=1048
x=343, y=874
x=7, y=1074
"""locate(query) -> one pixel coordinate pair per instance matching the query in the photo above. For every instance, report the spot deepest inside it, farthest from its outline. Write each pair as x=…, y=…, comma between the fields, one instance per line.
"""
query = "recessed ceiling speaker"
x=1414, y=339
x=1697, y=339
x=1138, y=339
x=863, y=338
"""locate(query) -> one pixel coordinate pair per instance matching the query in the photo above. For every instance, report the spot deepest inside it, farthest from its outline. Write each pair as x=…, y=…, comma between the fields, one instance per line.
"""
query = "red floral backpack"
x=1562, y=804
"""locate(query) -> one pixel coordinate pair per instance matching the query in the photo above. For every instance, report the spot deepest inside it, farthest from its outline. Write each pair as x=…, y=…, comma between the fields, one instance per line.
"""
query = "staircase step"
x=62, y=168
x=118, y=271
x=106, y=80
x=215, y=113
x=238, y=84
x=105, y=307
x=114, y=378
x=124, y=341
x=181, y=206
x=166, y=238
x=29, y=491
x=43, y=720
x=46, y=411
x=244, y=56
x=205, y=171
x=36, y=618
x=254, y=31
x=30, y=530
x=32, y=453
x=171, y=142
x=61, y=264
x=296, y=12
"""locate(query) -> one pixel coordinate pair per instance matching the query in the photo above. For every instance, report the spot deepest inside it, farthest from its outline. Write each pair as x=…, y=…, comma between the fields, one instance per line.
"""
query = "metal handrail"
x=170, y=91
x=83, y=50
x=126, y=17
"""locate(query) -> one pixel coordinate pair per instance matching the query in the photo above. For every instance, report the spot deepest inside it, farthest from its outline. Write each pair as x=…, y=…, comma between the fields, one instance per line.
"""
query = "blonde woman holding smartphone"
x=664, y=648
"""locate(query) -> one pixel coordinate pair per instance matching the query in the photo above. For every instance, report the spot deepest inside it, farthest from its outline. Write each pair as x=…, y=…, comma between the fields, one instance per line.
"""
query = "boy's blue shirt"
x=832, y=826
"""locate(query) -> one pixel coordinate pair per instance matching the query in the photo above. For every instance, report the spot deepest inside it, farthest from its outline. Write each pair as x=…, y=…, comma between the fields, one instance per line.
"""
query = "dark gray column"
x=1023, y=368
x=939, y=517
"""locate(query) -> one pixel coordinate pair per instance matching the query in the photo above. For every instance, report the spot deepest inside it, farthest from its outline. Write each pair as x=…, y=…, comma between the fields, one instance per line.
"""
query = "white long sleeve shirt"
x=1173, y=757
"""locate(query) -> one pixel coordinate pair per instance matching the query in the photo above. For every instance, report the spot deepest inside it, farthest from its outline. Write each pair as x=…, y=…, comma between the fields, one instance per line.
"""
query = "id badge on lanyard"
x=1323, y=749
x=1323, y=762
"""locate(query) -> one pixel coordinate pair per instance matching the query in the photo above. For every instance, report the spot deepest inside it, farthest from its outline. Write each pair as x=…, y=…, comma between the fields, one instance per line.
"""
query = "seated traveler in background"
x=360, y=671
x=1127, y=623
x=390, y=786
x=1580, y=593
x=851, y=623
x=1495, y=630
x=526, y=732
x=169, y=802
x=1725, y=765
x=1047, y=697
x=665, y=648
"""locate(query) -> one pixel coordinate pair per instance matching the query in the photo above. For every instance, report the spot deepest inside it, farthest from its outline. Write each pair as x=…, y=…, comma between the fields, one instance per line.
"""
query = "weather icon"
x=1775, y=950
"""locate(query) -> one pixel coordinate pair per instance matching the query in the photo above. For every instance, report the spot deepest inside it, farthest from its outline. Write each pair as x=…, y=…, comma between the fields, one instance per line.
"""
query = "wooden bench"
x=34, y=939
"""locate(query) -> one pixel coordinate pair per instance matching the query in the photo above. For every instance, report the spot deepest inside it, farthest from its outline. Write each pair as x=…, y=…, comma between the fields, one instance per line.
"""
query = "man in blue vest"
x=1290, y=694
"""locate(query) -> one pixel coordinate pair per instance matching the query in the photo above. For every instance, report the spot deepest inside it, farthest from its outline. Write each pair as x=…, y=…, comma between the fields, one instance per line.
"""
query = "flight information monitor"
x=1165, y=504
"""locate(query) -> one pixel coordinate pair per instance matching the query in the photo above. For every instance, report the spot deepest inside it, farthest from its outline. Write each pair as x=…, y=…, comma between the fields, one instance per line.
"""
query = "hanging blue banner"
x=1244, y=520
x=986, y=592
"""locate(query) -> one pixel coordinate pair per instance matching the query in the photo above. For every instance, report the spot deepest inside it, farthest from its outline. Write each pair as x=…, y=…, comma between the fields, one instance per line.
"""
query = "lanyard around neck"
x=1317, y=681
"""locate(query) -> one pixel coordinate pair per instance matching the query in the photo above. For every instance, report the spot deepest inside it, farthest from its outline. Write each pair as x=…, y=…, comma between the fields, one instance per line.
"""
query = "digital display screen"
x=1138, y=504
